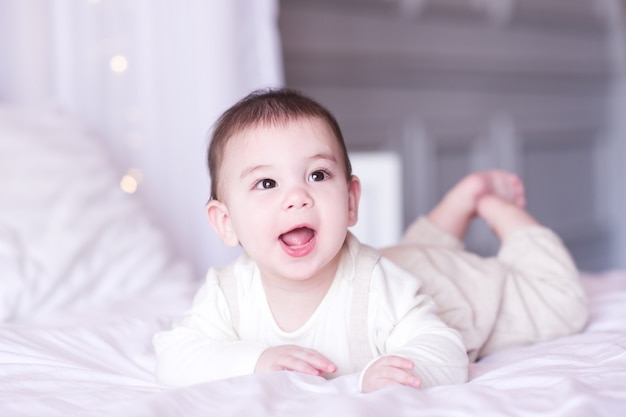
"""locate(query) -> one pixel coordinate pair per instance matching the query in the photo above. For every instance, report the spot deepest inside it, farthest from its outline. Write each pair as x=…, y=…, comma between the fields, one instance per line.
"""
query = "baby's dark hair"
x=266, y=107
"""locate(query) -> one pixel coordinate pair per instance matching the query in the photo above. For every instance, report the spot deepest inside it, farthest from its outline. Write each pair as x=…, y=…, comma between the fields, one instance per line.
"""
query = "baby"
x=306, y=296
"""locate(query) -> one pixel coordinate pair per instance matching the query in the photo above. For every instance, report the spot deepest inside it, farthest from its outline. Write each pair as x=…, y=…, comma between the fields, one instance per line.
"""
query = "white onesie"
x=208, y=344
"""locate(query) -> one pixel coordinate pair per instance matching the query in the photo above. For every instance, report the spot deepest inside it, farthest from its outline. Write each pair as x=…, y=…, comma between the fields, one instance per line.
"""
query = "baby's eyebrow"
x=249, y=171
x=324, y=155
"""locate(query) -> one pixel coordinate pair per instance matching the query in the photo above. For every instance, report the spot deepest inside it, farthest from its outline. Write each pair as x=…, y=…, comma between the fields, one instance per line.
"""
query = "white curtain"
x=149, y=77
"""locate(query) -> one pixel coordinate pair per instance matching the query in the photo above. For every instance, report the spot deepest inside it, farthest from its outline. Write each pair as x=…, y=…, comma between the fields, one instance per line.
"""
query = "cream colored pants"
x=529, y=292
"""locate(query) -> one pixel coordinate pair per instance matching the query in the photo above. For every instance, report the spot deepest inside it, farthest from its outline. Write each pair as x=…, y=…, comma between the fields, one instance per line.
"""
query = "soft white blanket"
x=101, y=364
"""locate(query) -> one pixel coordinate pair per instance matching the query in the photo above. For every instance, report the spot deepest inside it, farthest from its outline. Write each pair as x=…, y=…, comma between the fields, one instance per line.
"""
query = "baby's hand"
x=388, y=371
x=294, y=358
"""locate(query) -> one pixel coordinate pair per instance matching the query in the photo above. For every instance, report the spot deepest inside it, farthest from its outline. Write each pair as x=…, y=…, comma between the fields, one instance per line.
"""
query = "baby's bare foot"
x=502, y=184
x=503, y=217
x=460, y=205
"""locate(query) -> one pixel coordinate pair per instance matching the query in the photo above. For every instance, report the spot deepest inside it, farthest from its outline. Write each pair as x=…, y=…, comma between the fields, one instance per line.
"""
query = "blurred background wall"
x=448, y=86
x=532, y=86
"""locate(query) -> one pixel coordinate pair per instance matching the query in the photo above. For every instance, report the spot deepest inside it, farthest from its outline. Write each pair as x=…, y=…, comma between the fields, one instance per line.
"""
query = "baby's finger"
x=296, y=358
x=396, y=362
x=397, y=369
x=316, y=360
x=292, y=363
x=402, y=377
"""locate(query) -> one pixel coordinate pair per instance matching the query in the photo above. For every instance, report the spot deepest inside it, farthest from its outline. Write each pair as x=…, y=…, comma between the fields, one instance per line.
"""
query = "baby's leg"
x=461, y=204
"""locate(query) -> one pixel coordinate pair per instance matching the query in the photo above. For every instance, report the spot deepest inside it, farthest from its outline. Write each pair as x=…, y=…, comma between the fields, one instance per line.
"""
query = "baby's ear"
x=219, y=218
x=354, y=195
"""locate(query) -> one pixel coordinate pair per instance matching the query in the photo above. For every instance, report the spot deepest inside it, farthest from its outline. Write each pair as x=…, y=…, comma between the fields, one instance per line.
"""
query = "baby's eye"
x=265, y=184
x=318, y=175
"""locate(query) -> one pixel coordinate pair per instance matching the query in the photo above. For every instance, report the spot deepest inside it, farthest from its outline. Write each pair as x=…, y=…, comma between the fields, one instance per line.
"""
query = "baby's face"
x=288, y=200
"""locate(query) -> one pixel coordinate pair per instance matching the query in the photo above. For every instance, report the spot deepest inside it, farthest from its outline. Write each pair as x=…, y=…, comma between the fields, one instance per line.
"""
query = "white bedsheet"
x=101, y=364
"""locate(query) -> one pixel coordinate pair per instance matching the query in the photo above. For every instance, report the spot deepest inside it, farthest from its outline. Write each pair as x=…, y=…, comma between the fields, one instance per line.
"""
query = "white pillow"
x=69, y=237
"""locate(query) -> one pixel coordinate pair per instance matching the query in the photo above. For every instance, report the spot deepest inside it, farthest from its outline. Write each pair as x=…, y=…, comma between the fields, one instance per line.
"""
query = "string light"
x=130, y=181
x=118, y=63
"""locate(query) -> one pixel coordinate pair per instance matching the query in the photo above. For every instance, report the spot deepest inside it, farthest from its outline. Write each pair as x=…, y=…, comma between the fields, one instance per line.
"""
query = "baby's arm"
x=404, y=326
x=204, y=346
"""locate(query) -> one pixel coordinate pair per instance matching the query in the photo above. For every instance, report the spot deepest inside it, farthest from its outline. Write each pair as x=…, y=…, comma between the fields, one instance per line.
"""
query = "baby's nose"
x=298, y=198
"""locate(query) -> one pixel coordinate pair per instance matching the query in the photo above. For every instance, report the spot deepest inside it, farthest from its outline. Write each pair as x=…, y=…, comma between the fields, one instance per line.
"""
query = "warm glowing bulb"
x=130, y=181
x=118, y=63
x=128, y=184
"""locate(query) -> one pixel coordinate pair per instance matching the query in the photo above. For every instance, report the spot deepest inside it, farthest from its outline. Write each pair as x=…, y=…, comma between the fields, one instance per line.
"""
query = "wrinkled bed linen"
x=100, y=363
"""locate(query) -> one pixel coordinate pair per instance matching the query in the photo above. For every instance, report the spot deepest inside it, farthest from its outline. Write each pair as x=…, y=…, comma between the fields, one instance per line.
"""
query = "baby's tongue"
x=297, y=237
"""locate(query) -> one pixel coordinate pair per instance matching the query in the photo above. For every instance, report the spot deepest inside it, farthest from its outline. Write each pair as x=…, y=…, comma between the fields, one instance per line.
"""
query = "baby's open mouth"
x=297, y=237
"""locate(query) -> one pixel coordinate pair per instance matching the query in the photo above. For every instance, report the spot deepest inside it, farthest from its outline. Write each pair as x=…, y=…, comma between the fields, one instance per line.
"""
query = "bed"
x=87, y=278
